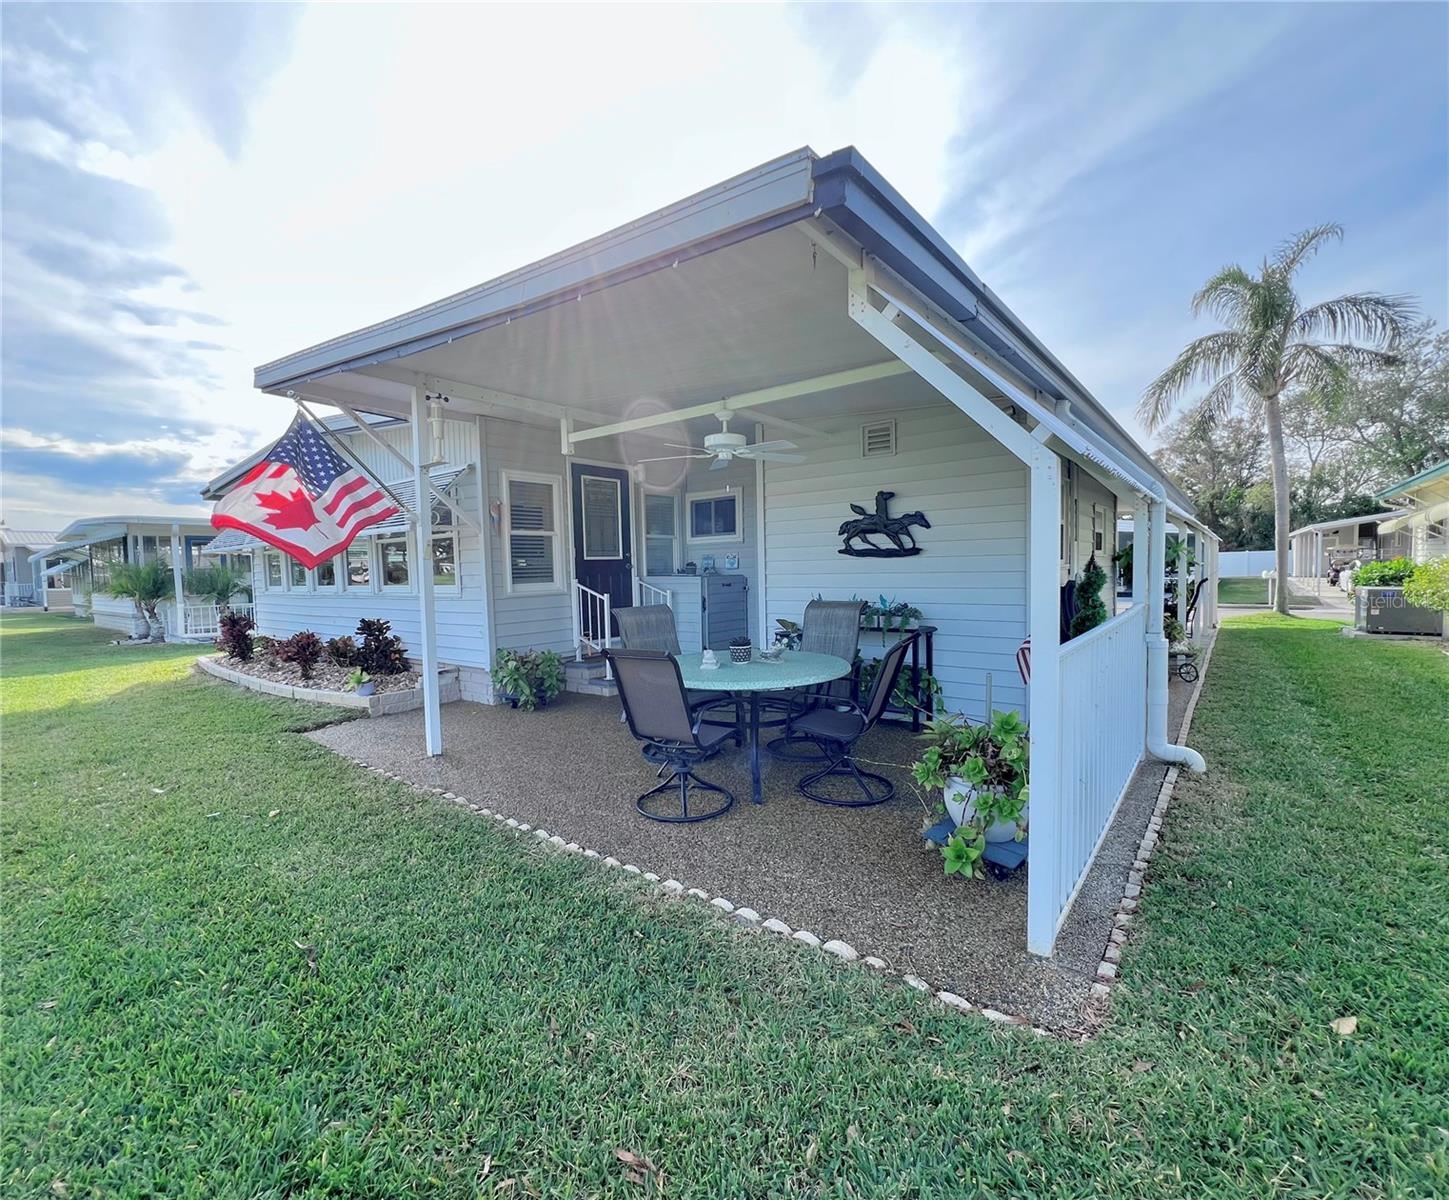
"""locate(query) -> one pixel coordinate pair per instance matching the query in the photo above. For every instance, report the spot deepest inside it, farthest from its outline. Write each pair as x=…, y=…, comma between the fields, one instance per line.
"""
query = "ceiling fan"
x=724, y=447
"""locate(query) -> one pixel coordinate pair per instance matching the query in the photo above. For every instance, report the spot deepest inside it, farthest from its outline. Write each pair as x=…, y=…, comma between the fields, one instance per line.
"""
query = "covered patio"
x=804, y=300
x=864, y=876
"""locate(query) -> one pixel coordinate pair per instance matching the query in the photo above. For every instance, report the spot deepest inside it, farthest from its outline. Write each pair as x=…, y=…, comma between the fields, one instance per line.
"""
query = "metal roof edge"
x=739, y=203
x=1339, y=523
x=859, y=199
x=1427, y=475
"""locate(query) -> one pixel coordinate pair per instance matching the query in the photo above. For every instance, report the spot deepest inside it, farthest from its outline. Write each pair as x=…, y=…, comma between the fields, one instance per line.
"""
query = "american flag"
x=304, y=498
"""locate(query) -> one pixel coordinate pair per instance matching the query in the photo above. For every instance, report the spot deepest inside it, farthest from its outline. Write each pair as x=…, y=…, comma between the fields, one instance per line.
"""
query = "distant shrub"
x=1389, y=572
x=302, y=650
x=235, y=635
x=381, y=651
x=342, y=651
x=1428, y=586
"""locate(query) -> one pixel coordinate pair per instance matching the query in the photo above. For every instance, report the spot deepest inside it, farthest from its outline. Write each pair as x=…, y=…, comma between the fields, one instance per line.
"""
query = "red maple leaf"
x=288, y=512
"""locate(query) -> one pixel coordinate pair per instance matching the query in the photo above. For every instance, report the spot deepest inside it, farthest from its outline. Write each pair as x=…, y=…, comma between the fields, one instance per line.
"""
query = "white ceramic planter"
x=960, y=805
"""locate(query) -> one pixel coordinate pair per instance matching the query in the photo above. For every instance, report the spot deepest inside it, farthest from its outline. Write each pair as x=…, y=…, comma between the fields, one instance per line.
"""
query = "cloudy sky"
x=189, y=191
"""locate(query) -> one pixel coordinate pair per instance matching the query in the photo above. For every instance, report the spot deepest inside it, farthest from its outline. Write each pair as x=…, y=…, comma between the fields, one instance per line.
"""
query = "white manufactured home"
x=559, y=431
x=85, y=552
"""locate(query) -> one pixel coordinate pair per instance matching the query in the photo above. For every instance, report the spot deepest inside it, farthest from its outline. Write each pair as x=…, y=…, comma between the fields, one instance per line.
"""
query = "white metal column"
x=1044, y=625
x=179, y=621
x=427, y=616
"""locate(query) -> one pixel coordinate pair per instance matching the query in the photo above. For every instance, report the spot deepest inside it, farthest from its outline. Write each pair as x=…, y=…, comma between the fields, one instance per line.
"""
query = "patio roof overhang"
x=716, y=302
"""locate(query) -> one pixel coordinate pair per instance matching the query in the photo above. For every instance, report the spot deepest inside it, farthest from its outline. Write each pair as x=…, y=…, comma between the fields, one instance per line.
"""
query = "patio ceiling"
x=763, y=312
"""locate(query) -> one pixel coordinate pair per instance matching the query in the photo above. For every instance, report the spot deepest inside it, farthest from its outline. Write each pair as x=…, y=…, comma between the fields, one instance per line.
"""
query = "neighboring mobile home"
x=27, y=577
x=1319, y=548
x=1423, y=521
x=555, y=421
x=91, y=546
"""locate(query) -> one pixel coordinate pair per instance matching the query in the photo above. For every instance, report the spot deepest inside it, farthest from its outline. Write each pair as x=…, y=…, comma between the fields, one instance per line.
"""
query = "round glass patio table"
x=793, y=669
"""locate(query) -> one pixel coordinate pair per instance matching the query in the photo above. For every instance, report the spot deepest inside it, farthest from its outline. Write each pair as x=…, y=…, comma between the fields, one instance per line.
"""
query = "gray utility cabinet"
x=725, y=609
x=1384, y=610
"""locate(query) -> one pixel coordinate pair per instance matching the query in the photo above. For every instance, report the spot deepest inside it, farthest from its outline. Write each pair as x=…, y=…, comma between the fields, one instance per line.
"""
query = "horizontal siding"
x=528, y=621
x=970, y=579
x=461, y=613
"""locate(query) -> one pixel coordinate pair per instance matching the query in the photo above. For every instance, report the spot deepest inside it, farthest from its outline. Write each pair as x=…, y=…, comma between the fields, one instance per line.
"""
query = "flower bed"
x=328, y=685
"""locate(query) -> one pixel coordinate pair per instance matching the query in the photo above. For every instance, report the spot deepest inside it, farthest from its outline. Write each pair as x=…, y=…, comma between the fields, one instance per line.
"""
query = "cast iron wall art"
x=896, y=530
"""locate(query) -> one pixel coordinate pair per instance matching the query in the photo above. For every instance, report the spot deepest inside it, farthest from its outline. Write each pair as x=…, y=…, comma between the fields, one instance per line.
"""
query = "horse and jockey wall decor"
x=857, y=533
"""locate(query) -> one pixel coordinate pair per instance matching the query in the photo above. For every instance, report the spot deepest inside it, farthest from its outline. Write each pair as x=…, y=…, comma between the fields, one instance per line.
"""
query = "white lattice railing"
x=592, y=624
x=204, y=620
x=649, y=594
x=1102, y=703
x=19, y=593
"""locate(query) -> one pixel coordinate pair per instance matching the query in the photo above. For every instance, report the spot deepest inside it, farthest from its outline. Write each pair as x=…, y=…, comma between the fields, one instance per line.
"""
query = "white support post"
x=1139, y=552
x=1180, y=573
x=1043, y=903
x=423, y=565
x=762, y=600
x=178, y=589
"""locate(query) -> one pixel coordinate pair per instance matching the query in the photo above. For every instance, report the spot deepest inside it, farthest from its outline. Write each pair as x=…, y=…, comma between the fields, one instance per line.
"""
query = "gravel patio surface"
x=864, y=876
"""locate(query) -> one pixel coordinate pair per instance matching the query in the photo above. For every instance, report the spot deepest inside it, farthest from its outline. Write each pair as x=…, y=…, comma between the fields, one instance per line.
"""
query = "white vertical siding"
x=969, y=580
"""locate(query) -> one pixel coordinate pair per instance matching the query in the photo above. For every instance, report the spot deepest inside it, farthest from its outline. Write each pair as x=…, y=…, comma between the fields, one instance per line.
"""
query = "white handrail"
x=593, y=618
x=649, y=594
x=204, y=620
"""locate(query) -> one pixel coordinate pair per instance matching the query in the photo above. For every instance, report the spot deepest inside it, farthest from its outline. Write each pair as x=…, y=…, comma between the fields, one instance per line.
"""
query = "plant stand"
x=1002, y=858
x=927, y=637
x=1183, y=663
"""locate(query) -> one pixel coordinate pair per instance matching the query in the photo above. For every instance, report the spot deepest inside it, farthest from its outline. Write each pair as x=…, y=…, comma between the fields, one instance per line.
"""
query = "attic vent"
x=877, y=439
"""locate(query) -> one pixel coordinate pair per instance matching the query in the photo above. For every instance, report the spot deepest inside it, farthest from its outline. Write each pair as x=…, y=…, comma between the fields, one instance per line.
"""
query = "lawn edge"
x=1099, y=1001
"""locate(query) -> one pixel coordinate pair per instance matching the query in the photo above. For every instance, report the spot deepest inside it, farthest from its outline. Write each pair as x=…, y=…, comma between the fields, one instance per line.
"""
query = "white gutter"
x=1157, y=744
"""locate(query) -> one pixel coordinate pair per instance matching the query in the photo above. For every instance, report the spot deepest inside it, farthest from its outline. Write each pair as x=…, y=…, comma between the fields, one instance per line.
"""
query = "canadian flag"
x=304, y=498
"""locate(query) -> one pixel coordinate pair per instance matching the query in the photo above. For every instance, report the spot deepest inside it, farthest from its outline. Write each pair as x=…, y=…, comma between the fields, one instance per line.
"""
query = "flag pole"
x=343, y=449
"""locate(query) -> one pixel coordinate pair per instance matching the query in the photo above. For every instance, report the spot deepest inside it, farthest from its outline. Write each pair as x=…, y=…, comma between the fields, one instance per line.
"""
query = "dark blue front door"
x=602, y=558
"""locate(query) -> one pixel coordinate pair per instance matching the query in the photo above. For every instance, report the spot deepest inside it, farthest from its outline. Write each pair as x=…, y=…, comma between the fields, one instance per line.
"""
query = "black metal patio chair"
x=657, y=708
x=830, y=627
x=652, y=627
x=836, y=733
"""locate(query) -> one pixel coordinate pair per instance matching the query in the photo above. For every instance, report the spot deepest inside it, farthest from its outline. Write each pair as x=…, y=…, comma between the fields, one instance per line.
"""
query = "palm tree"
x=219, y=584
x=145, y=584
x=1272, y=343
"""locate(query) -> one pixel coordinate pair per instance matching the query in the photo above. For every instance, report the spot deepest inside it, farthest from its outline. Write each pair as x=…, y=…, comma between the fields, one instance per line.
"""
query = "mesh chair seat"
x=651, y=627
x=830, y=724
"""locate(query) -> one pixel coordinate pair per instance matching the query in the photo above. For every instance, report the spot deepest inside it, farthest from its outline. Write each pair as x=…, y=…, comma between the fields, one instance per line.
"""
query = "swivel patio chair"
x=831, y=627
x=836, y=732
x=651, y=627
x=674, y=735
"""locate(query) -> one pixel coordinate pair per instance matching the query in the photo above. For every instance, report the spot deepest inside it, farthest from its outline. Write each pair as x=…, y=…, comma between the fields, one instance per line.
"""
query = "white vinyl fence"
x=1244, y=564
x=1103, y=732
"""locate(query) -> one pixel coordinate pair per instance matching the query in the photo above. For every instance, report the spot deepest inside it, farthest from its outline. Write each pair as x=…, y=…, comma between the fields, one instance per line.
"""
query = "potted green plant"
x=528, y=679
x=982, y=774
x=741, y=649
x=361, y=682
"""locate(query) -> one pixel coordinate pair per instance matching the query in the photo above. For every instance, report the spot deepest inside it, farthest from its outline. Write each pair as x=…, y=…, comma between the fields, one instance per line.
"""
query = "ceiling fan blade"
x=672, y=458
x=777, y=444
x=719, y=463
x=776, y=456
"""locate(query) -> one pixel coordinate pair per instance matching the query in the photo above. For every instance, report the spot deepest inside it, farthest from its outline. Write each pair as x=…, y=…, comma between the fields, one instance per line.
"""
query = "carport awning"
x=237, y=541
x=58, y=569
x=1420, y=516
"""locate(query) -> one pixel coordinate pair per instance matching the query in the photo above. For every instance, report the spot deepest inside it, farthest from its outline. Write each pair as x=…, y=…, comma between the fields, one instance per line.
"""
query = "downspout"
x=1157, y=744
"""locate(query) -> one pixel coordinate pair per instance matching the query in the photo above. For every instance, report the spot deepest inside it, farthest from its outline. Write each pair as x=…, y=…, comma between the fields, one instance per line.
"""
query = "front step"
x=587, y=678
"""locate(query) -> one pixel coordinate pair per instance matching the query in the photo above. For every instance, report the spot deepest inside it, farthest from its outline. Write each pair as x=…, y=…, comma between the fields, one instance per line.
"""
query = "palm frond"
x=1206, y=358
x=1227, y=295
x=1315, y=368
x=1298, y=249
x=1368, y=316
x=1217, y=403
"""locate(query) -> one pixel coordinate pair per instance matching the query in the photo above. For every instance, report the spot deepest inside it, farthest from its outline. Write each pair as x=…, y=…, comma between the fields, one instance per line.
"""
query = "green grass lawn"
x=1255, y=591
x=237, y=967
